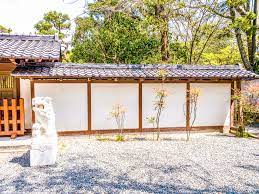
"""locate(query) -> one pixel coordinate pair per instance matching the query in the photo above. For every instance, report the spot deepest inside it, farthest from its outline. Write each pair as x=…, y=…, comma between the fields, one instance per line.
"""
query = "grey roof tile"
x=102, y=71
x=29, y=47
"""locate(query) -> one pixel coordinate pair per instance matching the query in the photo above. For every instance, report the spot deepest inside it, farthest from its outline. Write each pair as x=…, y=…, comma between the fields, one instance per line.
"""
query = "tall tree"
x=113, y=39
x=243, y=21
x=155, y=15
x=197, y=29
x=54, y=22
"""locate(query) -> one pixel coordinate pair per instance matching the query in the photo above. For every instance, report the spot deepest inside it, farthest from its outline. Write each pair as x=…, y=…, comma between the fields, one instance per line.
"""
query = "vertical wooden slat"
x=22, y=117
x=232, y=105
x=89, y=105
x=188, y=116
x=140, y=105
x=17, y=88
x=1, y=115
x=6, y=117
x=14, y=115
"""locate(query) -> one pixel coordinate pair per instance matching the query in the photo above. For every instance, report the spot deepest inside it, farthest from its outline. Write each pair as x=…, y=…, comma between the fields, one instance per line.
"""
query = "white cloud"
x=21, y=15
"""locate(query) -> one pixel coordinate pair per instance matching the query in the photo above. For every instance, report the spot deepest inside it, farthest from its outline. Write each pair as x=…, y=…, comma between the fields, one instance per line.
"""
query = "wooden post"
x=140, y=105
x=239, y=105
x=14, y=117
x=32, y=96
x=17, y=88
x=22, y=118
x=6, y=116
x=89, y=105
x=188, y=116
x=232, y=105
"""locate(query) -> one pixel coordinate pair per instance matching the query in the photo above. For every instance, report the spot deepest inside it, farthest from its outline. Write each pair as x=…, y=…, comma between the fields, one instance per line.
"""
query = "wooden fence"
x=11, y=117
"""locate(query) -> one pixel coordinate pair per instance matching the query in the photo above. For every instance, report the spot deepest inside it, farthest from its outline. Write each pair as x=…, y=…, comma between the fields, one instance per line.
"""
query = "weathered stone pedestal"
x=44, y=145
x=43, y=152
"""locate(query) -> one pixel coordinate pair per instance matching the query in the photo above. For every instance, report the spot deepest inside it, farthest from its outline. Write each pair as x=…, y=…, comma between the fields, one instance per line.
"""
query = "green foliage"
x=168, y=31
x=241, y=15
x=5, y=30
x=244, y=23
x=119, y=138
x=241, y=132
x=235, y=3
x=116, y=39
x=179, y=52
x=102, y=138
x=222, y=56
x=54, y=22
x=248, y=99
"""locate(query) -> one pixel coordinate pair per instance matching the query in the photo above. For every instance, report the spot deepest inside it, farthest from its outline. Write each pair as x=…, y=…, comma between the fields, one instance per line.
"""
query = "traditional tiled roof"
x=29, y=47
x=103, y=71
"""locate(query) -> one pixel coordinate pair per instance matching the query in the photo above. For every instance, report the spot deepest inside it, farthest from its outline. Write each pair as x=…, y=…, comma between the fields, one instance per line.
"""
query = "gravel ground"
x=208, y=163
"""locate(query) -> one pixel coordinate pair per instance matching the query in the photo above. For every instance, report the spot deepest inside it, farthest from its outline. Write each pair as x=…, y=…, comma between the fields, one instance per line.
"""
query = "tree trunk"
x=240, y=44
x=165, y=41
x=250, y=48
x=242, y=49
x=254, y=34
x=164, y=31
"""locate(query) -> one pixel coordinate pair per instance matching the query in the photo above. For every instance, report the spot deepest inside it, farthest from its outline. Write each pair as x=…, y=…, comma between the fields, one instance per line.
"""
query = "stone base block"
x=43, y=154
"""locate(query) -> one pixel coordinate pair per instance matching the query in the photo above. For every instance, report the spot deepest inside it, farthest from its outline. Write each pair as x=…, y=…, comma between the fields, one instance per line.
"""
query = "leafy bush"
x=249, y=100
x=119, y=138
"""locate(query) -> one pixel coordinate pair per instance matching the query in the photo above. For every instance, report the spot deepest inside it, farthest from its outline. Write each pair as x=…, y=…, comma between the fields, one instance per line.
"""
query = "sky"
x=21, y=15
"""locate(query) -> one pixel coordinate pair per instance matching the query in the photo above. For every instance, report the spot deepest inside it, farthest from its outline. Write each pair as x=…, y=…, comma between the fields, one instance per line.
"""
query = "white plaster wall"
x=172, y=115
x=69, y=102
x=213, y=104
x=105, y=96
x=25, y=93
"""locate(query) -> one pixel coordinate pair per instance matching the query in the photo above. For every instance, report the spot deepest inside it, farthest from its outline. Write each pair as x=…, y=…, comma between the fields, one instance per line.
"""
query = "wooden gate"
x=11, y=117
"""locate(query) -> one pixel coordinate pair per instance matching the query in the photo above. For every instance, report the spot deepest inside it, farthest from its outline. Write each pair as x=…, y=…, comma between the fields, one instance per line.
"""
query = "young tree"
x=194, y=96
x=118, y=113
x=159, y=103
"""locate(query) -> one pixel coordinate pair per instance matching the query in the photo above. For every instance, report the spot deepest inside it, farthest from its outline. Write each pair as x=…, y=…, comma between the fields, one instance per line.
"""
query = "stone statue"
x=44, y=126
x=44, y=135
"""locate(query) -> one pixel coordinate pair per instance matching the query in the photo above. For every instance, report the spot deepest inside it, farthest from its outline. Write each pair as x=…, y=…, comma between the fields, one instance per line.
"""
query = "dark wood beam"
x=89, y=105
x=188, y=116
x=140, y=116
x=32, y=96
x=232, y=105
x=239, y=105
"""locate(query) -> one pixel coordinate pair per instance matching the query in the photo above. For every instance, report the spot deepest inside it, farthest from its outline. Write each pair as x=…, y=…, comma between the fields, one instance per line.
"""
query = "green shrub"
x=119, y=138
x=242, y=132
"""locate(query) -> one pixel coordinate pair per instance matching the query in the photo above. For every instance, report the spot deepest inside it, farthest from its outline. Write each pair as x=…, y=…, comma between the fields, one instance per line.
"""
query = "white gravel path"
x=208, y=163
